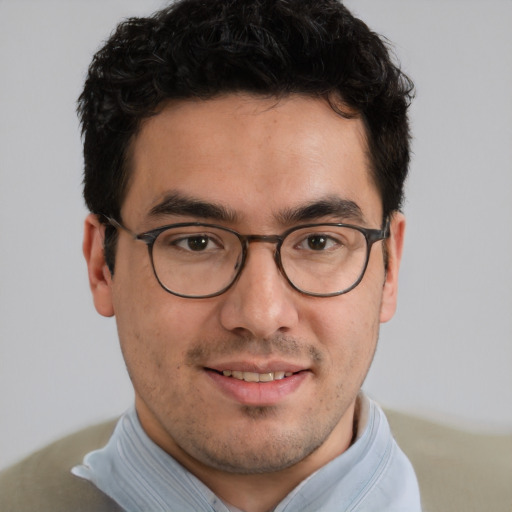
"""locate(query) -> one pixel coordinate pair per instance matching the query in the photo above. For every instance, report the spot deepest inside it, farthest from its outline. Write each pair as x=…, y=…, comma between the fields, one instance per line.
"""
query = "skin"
x=256, y=157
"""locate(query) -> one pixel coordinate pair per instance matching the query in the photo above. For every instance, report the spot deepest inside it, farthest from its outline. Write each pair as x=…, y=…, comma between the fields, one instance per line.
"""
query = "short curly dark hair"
x=203, y=48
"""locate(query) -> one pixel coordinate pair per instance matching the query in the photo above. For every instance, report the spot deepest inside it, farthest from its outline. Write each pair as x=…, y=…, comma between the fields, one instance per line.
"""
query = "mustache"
x=278, y=345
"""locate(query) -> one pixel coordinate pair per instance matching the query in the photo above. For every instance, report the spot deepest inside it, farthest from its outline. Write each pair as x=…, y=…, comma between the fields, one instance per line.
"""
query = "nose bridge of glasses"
x=269, y=239
x=276, y=240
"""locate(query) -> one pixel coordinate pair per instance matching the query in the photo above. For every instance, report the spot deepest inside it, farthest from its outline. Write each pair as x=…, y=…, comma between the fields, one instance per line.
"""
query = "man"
x=244, y=169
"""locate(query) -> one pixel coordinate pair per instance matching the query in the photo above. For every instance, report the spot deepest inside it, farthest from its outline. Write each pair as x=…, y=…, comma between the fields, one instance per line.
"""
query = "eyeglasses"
x=196, y=260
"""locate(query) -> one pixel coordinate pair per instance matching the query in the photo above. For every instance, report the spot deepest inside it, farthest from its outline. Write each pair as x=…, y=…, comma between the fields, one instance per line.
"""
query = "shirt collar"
x=139, y=475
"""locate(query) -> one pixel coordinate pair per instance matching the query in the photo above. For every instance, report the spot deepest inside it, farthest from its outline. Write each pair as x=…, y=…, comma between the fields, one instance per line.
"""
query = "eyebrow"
x=331, y=206
x=179, y=204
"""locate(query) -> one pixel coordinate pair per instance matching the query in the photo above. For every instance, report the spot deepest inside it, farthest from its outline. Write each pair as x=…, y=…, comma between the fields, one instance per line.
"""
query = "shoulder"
x=456, y=470
x=43, y=480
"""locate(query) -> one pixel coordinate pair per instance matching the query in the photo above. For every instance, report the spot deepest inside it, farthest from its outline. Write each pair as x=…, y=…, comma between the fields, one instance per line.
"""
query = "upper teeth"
x=256, y=377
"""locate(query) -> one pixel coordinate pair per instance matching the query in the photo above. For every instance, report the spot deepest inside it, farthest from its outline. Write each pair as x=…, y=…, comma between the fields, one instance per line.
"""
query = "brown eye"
x=197, y=243
x=317, y=242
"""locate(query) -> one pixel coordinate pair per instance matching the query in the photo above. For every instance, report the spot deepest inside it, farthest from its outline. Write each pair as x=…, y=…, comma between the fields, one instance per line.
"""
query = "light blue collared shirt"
x=373, y=475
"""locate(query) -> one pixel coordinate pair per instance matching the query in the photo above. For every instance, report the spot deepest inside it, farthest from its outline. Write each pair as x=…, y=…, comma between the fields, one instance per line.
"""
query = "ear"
x=394, y=245
x=100, y=279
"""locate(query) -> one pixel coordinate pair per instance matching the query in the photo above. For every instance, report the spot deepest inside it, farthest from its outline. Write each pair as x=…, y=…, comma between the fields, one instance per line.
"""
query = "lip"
x=258, y=393
x=258, y=367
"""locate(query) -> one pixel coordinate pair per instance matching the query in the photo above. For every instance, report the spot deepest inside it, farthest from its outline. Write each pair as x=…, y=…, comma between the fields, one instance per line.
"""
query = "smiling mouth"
x=255, y=377
x=258, y=388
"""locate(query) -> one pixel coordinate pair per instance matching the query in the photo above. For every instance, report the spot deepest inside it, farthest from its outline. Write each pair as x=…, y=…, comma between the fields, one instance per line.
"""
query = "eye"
x=196, y=243
x=318, y=242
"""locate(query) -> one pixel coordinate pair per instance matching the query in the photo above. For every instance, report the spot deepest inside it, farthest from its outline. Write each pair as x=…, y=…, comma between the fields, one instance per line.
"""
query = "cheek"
x=348, y=327
x=152, y=348
x=353, y=316
x=157, y=328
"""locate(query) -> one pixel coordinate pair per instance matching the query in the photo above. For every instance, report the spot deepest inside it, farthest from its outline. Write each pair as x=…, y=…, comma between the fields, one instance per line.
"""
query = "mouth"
x=256, y=377
x=258, y=388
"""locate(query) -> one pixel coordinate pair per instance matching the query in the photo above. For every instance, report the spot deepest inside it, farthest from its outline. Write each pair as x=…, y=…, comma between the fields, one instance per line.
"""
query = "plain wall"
x=447, y=354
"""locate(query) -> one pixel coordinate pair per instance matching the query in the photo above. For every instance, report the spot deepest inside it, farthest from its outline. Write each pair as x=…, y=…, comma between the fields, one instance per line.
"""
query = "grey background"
x=447, y=354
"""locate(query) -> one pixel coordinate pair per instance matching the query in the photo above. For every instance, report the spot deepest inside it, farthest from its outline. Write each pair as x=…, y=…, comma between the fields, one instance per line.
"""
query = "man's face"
x=258, y=160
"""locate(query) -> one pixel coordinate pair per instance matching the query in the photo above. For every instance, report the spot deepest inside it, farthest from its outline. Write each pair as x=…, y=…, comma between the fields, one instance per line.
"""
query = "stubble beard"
x=263, y=449
x=259, y=441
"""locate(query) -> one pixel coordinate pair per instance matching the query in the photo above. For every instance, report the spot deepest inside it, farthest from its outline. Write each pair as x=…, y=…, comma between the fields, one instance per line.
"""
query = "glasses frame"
x=149, y=238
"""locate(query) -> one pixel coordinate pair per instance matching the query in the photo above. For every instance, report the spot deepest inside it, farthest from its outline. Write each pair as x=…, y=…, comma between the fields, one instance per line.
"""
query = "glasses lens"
x=324, y=259
x=196, y=261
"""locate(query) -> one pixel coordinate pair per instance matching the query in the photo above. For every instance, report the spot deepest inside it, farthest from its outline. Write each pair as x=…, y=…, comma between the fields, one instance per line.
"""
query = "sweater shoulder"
x=457, y=470
x=43, y=481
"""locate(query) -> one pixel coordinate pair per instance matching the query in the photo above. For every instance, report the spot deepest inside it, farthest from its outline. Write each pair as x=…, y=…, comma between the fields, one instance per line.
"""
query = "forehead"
x=255, y=156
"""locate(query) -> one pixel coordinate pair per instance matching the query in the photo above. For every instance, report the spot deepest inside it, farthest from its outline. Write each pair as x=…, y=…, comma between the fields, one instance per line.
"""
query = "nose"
x=261, y=303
